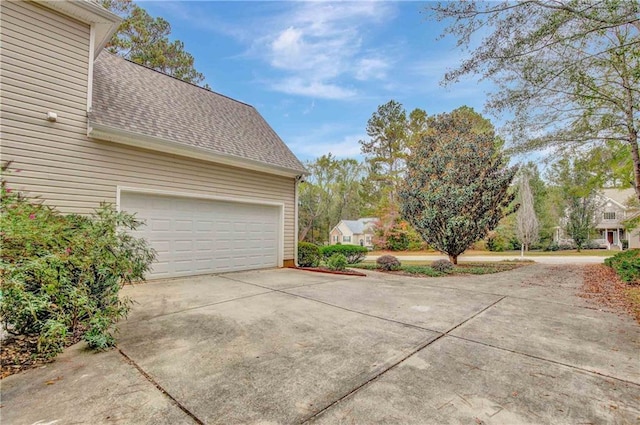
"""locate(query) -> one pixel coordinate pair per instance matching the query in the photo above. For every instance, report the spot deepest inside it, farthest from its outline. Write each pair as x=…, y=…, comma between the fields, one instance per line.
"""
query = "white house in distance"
x=354, y=232
x=614, y=210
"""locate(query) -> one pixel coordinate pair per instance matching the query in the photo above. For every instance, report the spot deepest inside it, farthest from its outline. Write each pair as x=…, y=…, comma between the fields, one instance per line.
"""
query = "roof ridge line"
x=176, y=78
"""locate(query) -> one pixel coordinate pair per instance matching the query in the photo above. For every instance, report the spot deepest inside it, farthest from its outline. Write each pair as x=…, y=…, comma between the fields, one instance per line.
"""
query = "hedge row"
x=310, y=255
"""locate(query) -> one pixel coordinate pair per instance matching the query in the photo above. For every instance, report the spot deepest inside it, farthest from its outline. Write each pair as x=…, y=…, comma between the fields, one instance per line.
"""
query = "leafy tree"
x=544, y=201
x=568, y=71
x=457, y=183
x=581, y=219
x=332, y=192
x=387, y=148
x=527, y=225
x=577, y=185
x=144, y=39
x=393, y=233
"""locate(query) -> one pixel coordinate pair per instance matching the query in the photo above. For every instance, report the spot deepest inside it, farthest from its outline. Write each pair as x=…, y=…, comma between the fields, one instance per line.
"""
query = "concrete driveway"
x=287, y=346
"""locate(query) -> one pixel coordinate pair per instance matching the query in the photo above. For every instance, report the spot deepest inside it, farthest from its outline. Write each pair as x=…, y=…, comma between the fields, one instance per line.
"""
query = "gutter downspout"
x=295, y=212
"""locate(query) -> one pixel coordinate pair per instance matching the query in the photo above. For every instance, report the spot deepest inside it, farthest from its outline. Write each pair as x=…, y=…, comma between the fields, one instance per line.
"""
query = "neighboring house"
x=612, y=212
x=215, y=184
x=353, y=232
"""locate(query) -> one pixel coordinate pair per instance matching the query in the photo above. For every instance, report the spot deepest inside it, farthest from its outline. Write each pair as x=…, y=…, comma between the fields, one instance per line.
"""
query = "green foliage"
x=62, y=274
x=388, y=263
x=337, y=262
x=578, y=201
x=390, y=135
x=353, y=253
x=308, y=254
x=144, y=39
x=627, y=265
x=442, y=266
x=421, y=271
x=566, y=72
x=457, y=185
x=332, y=192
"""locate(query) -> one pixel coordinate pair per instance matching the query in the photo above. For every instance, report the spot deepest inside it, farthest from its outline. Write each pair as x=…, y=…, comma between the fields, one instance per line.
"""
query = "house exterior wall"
x=44, y=68
x=609, y=223
x=634, y=238
x=335, y=233
x=345, y=232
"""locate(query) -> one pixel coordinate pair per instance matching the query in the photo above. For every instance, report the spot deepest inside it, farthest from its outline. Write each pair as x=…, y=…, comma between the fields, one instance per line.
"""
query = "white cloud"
x=371, y=68
x=319, y=45
x=315, y=89
x=314, y=49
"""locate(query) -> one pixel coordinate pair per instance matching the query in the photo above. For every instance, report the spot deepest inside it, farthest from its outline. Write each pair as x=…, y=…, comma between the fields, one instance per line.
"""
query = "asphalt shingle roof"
x=134, y=98
x=621, y=196
x=358, y=227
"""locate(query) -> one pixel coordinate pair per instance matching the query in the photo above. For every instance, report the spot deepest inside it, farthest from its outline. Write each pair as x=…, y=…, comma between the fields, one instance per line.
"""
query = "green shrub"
x=388, y=263
x=421, y=270
x=354, y=253
x=495, y=244
x=337, y=262
x=308, y=254
x=61, y=275
x=627, y=265
x=442, y=266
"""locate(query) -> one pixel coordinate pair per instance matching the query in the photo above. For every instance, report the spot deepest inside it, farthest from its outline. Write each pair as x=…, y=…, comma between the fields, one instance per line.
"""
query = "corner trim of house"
x=111, y=134
x=92, y=42
x=250, y=201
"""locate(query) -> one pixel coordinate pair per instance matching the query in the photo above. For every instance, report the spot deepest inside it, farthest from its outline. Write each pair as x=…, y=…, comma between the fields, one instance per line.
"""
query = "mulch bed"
x=603, y=287
x=348, y=272
x=19, y=352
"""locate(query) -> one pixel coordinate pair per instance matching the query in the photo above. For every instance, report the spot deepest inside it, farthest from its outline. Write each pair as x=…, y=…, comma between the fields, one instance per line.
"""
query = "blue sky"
x=317, y=70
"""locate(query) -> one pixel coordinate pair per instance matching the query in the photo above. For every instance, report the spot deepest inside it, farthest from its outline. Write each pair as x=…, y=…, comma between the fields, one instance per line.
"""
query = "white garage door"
x=198, y=236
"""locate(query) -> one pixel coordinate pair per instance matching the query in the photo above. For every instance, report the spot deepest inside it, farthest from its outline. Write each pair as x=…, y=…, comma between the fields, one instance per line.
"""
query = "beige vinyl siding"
x=58, y=162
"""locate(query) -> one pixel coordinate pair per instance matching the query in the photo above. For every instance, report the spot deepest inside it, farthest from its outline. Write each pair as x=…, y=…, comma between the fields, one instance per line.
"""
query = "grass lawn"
x=424, y=269
x=470, y=253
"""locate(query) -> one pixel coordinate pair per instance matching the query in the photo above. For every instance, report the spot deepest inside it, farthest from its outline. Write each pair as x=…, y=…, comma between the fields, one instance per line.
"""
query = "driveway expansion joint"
x=404, y=358
x=201, y=306
x=371, y=380
x=544, y=359
x=587, y=307
x=280, y=290
x=160, y=388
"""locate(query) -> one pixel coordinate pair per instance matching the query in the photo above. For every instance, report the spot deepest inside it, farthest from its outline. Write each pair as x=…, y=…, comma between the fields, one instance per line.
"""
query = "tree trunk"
x=633, y=141
x=453, y=259
x=522, y=250
x=303, y=232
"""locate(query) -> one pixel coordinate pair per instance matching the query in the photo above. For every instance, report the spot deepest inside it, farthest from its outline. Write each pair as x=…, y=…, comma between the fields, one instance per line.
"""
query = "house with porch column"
x=615, y=210
x=615, y=207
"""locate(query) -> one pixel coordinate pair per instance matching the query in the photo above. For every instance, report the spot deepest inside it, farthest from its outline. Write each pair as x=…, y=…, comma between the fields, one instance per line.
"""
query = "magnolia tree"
x=457, y=183
x=527, y=225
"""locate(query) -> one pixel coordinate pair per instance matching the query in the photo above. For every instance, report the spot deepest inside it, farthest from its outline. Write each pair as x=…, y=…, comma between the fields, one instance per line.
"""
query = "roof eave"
x=116, y=135
x=104, y=21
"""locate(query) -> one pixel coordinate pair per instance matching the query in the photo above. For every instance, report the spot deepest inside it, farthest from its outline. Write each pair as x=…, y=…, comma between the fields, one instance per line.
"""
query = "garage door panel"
x=195, y=236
